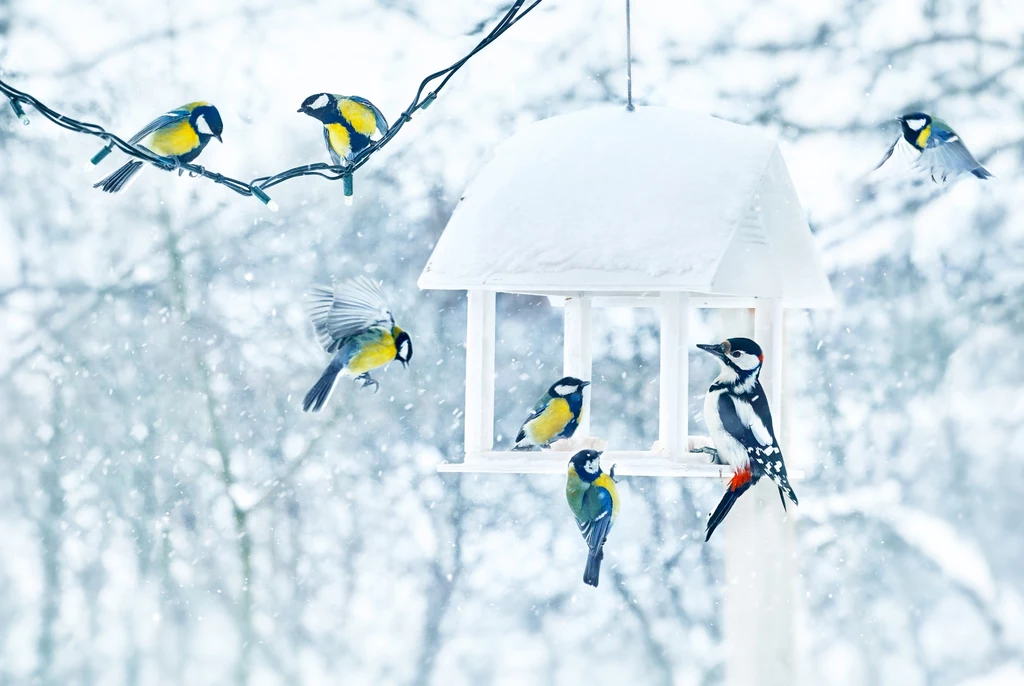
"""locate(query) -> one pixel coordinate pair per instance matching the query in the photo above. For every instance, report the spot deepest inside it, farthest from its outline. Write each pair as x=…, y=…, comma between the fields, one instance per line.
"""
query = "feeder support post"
x=479, y=417
x=579, y=352
x=673, y=406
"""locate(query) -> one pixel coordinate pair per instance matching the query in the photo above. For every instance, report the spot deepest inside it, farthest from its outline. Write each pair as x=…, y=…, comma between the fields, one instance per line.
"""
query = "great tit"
x=556, y=415
x=352, y=320
x=180, y=134
x=736, y=412
x=942, y=153
x=594, y=501
x=348, y=121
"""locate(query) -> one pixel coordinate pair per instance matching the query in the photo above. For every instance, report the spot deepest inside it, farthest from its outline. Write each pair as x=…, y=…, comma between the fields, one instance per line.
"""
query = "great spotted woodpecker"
x=736, y=412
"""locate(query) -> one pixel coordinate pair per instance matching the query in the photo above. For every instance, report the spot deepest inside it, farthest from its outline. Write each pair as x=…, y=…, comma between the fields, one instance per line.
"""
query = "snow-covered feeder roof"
x=610, y=201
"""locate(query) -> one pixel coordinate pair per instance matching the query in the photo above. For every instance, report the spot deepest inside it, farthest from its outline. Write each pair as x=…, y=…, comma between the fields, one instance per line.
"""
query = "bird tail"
x=321, y=390
x=593, y=569
x=741, y=481
x=117, y=181
x=982, y=173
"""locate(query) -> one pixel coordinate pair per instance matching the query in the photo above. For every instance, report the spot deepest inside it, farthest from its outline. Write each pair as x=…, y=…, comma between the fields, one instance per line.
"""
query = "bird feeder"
x=647, y=208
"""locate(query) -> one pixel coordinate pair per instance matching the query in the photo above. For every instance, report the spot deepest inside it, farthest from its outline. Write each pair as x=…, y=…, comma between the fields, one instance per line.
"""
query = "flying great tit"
x=180, y=135
x=941, y=151
x=353, y=321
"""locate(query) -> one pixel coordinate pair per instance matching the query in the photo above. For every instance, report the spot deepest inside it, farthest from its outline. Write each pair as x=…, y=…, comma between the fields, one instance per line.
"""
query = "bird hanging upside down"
x=594, y=501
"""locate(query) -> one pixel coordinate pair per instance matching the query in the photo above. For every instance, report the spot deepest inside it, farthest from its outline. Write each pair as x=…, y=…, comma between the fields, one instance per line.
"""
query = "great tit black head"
x=741, y=354
x=319, y=105
x=566, y=386
x=206, y=121
x=403, y=348
x=587, y=464
x=912, y=125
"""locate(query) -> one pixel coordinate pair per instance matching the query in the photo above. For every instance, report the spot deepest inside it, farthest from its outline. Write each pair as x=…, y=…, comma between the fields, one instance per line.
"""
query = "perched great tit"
x=942, y=153
x=736, y=412
x=594, y=502
x=556, y=415
x=353, y=321
x=348, y=121
x=180, y=134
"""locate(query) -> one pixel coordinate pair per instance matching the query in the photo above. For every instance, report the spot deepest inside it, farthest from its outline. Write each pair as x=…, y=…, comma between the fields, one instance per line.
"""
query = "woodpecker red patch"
x=740, y=478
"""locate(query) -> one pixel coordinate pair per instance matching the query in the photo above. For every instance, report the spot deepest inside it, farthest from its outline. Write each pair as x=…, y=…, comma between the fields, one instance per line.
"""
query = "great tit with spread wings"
x=352, y=320
x=942, y=153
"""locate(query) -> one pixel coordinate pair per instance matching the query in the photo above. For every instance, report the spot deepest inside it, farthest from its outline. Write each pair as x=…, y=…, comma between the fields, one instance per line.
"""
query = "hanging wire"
x=257, y=187
x=629, y=61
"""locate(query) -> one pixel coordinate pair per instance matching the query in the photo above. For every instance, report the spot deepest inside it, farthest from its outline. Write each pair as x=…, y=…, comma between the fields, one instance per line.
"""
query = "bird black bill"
x=713, y=348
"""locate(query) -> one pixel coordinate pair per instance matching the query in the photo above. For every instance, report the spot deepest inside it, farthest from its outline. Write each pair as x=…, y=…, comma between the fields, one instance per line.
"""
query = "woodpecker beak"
x=718, y=350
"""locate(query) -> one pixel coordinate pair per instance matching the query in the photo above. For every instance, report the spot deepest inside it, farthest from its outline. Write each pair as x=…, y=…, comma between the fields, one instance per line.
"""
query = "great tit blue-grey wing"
x=945, y=153
x=382, y=123
x=598, y=507
x=349, y=308
x=888, y=154
x=160, y=122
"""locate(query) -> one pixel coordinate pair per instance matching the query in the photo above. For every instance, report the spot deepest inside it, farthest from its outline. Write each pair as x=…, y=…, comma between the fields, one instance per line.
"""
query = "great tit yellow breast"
x=373, y=354
x=174, y=140
x=922, y=138
x=550, y=422
x=340, y=140
x=361, y=117
x=607, y=483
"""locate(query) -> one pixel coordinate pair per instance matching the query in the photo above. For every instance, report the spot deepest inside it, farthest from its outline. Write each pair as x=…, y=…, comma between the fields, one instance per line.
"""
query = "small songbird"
x=349, y=122
x=942, y=153
x=353, y=321
x=180, y=134
x=556, y=415
x=594, y=502
x=736, y=412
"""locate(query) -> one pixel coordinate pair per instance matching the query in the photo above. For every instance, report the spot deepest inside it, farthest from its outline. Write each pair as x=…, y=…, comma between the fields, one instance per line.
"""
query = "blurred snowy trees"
x=171, y=516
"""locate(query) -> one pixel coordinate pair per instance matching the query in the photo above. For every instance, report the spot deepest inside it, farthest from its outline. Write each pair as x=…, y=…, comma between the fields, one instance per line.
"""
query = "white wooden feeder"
x=647, y=208
x=606, y=207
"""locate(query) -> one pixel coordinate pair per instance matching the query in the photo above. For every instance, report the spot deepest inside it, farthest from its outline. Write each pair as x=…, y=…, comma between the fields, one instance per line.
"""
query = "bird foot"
x=708, y=450
x=611, y=474
x=369, y=381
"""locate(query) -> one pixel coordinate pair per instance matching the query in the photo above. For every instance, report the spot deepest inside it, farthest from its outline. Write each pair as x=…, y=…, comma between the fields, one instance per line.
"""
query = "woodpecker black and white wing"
x=347, y=309
x=748, y=419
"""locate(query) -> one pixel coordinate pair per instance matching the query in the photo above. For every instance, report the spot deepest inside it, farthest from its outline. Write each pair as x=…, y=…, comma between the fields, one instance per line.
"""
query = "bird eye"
x=736, y=353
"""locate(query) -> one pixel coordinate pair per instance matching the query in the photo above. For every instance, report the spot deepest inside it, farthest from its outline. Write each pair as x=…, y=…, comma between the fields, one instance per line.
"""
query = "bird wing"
x=597, y=507
x=888, y=153
x=349, y=308
x=749, y=421
x=160, y=122
x=945, y=150
x=382, y=123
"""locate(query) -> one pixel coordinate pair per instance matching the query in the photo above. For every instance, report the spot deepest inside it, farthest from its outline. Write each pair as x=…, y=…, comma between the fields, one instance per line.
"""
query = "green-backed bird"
x=556, y=415
x=942, y=152
x=180, y=135
x=349, y=122
x=594, y=502
x=352, y=320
